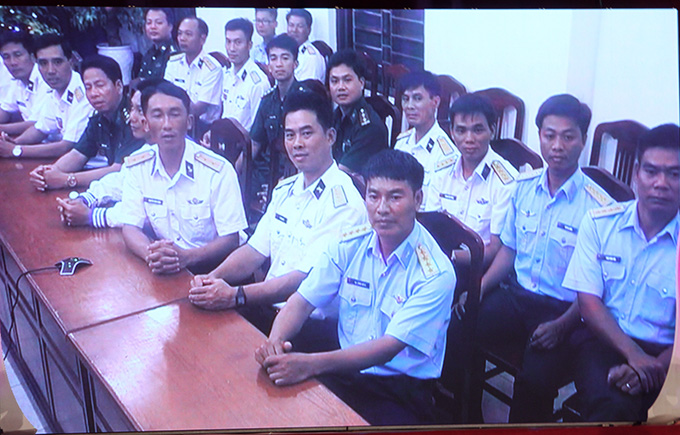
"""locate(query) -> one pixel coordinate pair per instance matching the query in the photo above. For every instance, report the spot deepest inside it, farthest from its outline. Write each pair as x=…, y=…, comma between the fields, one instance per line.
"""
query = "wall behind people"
x=323, y=25
x=622, y=63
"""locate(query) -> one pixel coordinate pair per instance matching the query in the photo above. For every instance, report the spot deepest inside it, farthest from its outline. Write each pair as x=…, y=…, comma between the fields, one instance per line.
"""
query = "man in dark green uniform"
x=361, y=132
x=158, y=24
x=107, y=138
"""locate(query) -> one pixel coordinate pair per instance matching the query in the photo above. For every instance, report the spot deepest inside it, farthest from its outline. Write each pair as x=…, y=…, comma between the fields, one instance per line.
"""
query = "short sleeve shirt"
x=482, y=200
x=67, y=115
x=311, y=63
x=635, y=278
x=155, y=60
x=242, y=92
x=542, y=229
x=26, y=98
x=361, y=134
x=408, y=297
x=259, y=53
x=199, y=203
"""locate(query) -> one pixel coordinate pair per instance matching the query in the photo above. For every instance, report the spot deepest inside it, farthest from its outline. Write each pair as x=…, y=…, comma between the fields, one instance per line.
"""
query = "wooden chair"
x=325, y=49
x=371, y=73
x=391, y=76
x=385, y=109
x=357, y=180
x=626, y=134
x=450, y=233
x=221, y=58
x=503, y=101
x=231, y=140
x=266, y=72
x=516, y=153
x=616, y=188
x=451, y=90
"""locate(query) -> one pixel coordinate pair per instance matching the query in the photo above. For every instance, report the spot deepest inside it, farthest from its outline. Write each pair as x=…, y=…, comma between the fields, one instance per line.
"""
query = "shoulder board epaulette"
x=285, y=182
x=176, y=56
x=429, y=267
x=210, y=161
x=444, y=145
x=310, y=49
x=502, y=173
x=598, y=196
x=208, y=63
x=78, y=93
x=607, y=211
x=405, y=133
x=269, y=91
x=255, y=77
x=355, y=232
x=528, y=175
x=136, y=159
x=339, y=197
x=445, y=163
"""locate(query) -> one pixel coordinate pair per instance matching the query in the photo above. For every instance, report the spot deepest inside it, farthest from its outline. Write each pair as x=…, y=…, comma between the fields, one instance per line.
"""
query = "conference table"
x=116, y=348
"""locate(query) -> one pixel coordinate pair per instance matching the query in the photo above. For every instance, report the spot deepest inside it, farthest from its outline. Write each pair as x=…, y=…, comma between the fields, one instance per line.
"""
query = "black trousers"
x=385, y=400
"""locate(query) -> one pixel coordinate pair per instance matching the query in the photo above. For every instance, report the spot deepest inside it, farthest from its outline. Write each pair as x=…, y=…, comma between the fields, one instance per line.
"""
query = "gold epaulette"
x=502, y=173
x=444, y=145
x=445, y=163
x=528, y=175
x=405, y=133
x=255, y=77
x=78, y=94
x=176, y=56
x=355, y=232
x=597, y=195
x=136, y=159
x=208, y=63
x=339, y=197
x=210, y=161
x=430, y=269
x=606, y=211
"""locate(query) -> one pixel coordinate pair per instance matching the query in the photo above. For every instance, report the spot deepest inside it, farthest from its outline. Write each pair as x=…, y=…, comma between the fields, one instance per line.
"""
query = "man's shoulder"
x=210, y=64
x=341, y=190
x=609, y=212
x=75, y=92
x=142, y=156
x=208, y=158
x=597, y=193
x=431, y=259
x=502, y=169
x=174, y=58
x=403, y=138
x=256, y=76
x=529, y=175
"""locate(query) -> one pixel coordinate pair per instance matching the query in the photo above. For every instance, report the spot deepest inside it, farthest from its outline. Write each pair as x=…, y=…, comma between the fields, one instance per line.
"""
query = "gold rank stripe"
x=502, y=173
x=176, y=56
x=211, y=162
x=405, y=133
x=598, y=196
x=136, y=159
x=444, y=145
x=355, y=232
x=78, y=94
x=339, y=197
x=445, y=163
x=425, y=259
x=208, y=63
x=255, y=77
x=606, y=211
x=528, y=175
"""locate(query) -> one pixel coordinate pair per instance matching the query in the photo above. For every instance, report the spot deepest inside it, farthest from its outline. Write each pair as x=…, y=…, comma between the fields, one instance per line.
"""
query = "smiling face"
x=18, y=60
x=168, y=120
x=561, y=144
x=281, y=64
x=54, y=67
x=392, y=207
x=345, y=86
x=419, y=107
x=103, y=94
x=157, y=27
x=307, y=144
x=657, y=177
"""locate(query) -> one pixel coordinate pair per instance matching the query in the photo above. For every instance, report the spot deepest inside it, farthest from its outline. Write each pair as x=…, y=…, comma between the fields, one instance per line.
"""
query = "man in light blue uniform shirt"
x=624, y=270
x=535, y=311
x=395, y=287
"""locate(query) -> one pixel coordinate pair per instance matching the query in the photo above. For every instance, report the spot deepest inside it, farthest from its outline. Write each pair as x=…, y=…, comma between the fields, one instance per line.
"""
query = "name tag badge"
x=153, y=200
x=358, y=283
x=567, y=227
x=281, y=218
x=607, y=257
x=447, y=196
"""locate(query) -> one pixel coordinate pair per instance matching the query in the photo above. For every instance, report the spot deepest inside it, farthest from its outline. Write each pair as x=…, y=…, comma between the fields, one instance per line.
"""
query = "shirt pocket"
x=657, y=305
x=561, y=247
x=480, y=215
x=196, y=222
x=157, y=215
x=527, y=227
x=392, y=304
x=355, y=301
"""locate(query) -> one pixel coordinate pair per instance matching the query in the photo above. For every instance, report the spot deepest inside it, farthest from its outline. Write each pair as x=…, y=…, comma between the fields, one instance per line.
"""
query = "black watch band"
x=240, y=297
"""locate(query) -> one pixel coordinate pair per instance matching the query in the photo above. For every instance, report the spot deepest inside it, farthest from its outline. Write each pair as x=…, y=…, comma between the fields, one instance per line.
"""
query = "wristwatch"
x=17, y=151
x=240, y=297
x=71, y=181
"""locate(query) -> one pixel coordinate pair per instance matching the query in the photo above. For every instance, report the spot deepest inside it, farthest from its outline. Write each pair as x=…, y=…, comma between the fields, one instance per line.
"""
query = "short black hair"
x=395, y=165
x=469, y=104
x=240, y=24
x=166, y=88
x=272, y=11
x=202, y=25
x=350, y=58
x=169, y=14
x=666, y=136
x=109, y=66
x=20, y=37
x=314, y=102
x=421, y=78
x=567, y=106
x=284, y=42
x=304, y=13
x=51, y=39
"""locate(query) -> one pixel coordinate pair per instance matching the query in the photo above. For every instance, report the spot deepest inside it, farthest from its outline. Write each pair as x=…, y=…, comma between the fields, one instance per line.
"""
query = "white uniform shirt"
x=66, y=115
x=199, y=203
x=101, y=194
x=202, y=79
x=434, y=151
x=26, y=99
x=311, y=63
x=242, y=92
x=482, y=200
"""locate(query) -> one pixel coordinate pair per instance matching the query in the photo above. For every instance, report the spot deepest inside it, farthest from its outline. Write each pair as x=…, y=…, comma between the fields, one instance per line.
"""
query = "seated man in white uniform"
x=311, y=64
x=395, y=288
x=189, y=195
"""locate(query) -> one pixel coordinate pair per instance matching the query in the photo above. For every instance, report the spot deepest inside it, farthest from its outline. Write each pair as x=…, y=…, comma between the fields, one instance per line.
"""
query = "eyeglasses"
x=263, y=21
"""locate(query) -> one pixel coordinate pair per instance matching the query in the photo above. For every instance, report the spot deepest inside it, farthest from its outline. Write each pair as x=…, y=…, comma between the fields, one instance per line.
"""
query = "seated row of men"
x=315, y=235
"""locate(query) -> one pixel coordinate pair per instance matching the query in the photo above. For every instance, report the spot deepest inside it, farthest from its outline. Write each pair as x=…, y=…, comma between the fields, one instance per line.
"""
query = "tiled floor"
x=24, y=399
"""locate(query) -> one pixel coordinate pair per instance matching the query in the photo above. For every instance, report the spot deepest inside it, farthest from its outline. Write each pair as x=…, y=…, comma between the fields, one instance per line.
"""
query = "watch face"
x=16, y=152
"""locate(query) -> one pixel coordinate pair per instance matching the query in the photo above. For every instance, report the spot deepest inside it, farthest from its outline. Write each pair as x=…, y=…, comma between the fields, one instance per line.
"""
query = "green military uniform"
x=361, y=134
x=155, y=59
x=111, y=138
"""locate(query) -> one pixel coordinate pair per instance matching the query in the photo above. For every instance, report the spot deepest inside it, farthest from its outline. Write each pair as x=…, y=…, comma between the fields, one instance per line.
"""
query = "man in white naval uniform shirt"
x=197, y=72
x=64, y=116
x=26, y=90
x=311, y=63
x=426, y=140
x=244, y=81
x=316, y=204
x=190, y=195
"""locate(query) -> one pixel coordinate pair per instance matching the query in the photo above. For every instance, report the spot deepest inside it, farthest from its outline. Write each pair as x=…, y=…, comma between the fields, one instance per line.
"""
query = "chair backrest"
x=451, y=90
x=221, y=58
x=357, y=180
x=266, y=72
x=391, y=76
x=616, y=188
x=325, y=49
x=503, y=101
x=371, y=73
x=516, y=153
x=626, y=134
x=385, y=109
x=230, y=139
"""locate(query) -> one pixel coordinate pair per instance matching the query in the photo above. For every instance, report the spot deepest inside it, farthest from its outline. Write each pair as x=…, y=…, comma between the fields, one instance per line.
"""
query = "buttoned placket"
x=545, y=223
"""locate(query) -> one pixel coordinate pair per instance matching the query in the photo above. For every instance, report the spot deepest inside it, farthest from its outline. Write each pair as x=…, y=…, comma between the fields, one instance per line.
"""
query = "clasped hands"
x=283, y=366
x=211, y=293
x=46, y=177
x=74, y=212
x=164, y=257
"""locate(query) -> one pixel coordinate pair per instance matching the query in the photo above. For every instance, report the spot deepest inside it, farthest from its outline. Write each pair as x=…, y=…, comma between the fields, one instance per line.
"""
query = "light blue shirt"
x=634, y=277
x=542, y=229
x=408, y=297
x=259, y=53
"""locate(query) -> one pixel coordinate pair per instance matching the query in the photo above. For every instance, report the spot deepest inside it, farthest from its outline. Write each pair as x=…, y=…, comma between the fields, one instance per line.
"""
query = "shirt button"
x=542, y=233
x=153, y=214
x=353, y=299
x=664, y=291
x=623, y=316
x=632, y=281
x=179, y=238
x=283, y=262
x=605, y=274
x=564, y=240
x=534, y=285
x=538, y=260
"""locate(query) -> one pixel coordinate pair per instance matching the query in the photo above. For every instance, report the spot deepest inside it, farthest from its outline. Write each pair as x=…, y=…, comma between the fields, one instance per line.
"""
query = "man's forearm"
x=217, y=249
x=136, y=241
x=291, y=318
x=570, y=318
x=239, y=265
x=84, y=178
x=500, y=268
x=276, y=289
x=16, y=128
x=360, y=356
x=31, y=136
x=52, y=149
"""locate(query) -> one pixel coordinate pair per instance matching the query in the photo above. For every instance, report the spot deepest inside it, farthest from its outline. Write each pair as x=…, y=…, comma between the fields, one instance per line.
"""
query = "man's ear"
x=331, y=135
x=419, y=198
x=190, y=122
